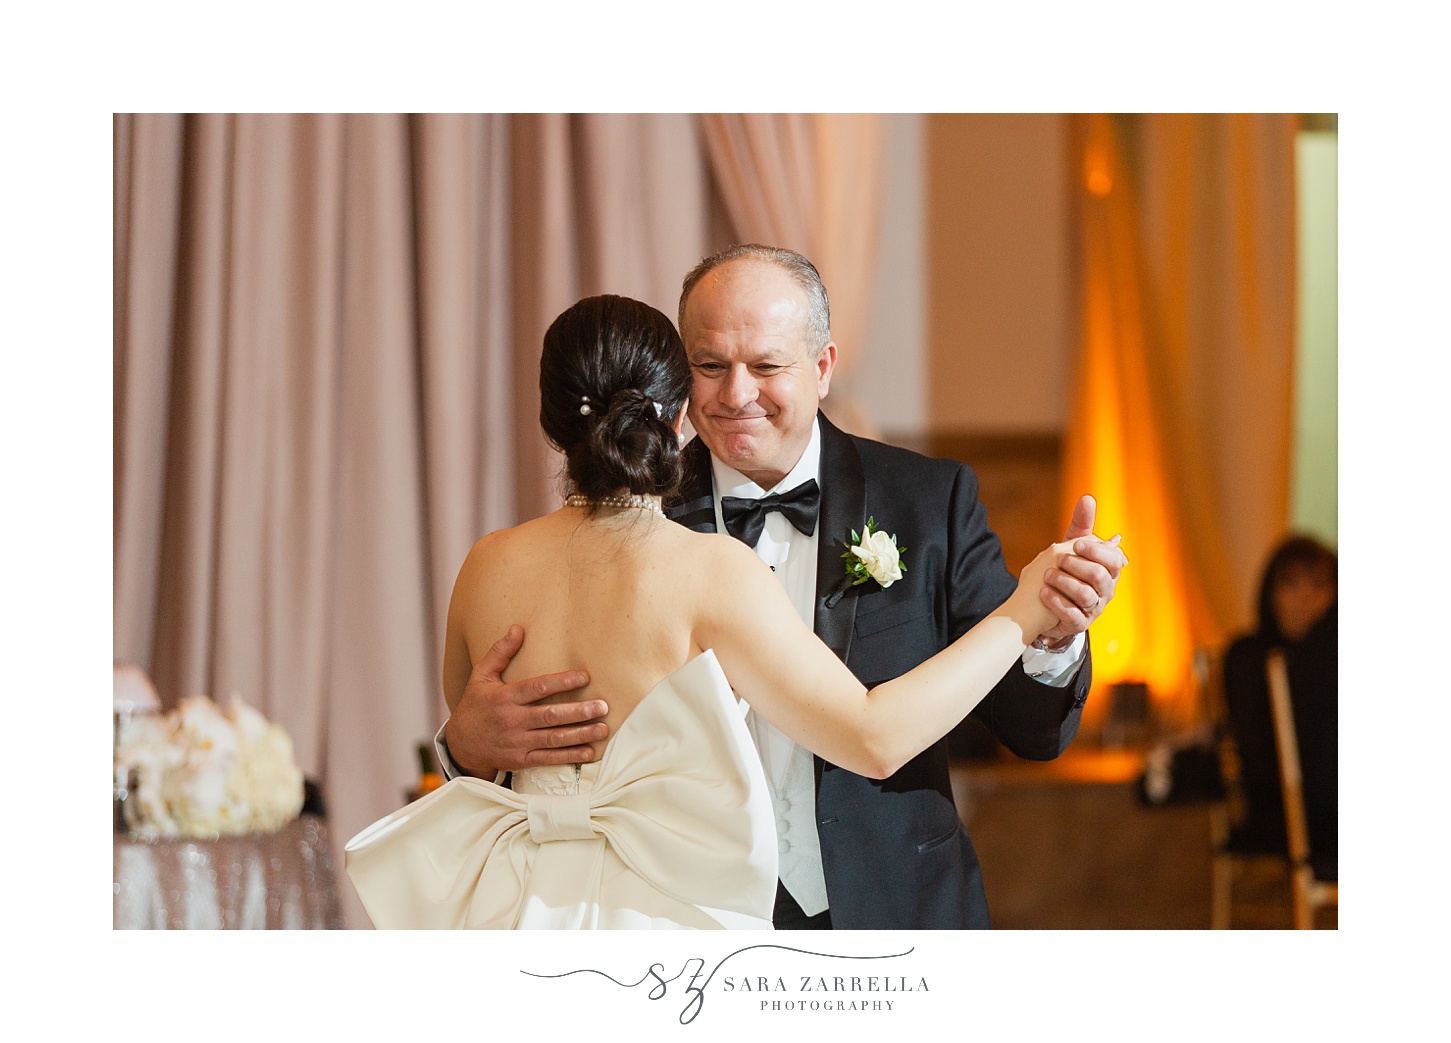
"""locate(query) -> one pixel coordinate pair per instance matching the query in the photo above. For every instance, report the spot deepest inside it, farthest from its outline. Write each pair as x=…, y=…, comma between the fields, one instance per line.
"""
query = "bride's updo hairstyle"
x=612, y=380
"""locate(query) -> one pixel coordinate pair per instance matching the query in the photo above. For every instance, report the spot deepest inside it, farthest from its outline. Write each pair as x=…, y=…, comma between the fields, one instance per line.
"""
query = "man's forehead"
x=747, y=279
x=760, y=301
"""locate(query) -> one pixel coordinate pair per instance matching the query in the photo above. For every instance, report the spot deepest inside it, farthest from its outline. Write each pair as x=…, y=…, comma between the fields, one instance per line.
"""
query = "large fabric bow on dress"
x=676, y=831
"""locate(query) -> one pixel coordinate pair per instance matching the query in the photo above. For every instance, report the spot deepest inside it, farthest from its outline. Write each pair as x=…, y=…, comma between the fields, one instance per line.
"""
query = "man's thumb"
x=496, y=660
x=1083, y=514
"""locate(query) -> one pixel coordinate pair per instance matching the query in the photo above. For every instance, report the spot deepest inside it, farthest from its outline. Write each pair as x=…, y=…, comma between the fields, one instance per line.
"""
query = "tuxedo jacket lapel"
x=694, y=505
x=843, y=508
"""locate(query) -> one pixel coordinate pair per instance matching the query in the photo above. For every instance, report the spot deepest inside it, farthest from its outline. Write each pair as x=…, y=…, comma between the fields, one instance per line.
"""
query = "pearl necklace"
x=644, y=503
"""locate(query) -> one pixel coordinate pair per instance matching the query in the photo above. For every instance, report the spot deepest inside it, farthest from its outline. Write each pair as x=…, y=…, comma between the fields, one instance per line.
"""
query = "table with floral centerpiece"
x=215, y=825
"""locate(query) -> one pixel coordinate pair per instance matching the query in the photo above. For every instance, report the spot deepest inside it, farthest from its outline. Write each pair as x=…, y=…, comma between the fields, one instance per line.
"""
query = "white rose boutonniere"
x=874, y=555
x=880, y=557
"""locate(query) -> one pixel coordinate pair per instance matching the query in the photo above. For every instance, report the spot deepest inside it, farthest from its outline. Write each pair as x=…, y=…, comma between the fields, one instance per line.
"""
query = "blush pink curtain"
x=327, y=331
x=811, y=183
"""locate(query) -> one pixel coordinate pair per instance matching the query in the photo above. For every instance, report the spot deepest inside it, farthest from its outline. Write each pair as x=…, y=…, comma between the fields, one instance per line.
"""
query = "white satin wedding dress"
x=672, y=829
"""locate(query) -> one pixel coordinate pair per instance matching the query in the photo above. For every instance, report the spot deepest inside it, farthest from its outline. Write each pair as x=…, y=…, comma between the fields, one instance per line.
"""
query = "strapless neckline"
x=569, y=779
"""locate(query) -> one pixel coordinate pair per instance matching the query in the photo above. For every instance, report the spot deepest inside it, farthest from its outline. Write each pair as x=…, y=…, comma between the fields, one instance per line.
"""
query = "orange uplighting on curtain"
x=1115, y=448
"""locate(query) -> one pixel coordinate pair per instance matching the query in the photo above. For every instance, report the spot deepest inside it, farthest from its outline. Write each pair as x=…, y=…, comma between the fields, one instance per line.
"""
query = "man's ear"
x=825, y=364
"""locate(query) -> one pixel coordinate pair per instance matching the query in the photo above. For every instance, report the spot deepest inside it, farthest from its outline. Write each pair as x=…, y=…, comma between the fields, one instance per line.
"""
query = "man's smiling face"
x=756, y=379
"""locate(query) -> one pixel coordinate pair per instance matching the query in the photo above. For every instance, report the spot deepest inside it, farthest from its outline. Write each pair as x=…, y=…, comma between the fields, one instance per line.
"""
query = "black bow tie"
x=745, y=518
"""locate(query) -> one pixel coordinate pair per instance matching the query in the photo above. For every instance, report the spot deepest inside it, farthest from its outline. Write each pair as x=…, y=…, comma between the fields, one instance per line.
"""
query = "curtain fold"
x=1181, y=424
x=148, y=157
x=380, y=701
x=813, y=184
x=643, y=200
x=546, y=281
x=1219, y=239
x=466, y=357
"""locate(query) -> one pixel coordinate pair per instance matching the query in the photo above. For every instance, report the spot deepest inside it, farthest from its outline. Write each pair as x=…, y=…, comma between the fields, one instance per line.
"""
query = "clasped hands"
x=1082, y=585
x=503, y=727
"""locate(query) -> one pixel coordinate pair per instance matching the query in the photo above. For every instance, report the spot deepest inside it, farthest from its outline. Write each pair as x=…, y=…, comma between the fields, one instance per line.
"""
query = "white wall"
x=1314, y=493
x=999, y=251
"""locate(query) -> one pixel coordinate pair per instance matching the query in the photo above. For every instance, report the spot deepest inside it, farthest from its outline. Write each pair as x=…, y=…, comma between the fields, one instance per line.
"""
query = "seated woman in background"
x=1297, y=613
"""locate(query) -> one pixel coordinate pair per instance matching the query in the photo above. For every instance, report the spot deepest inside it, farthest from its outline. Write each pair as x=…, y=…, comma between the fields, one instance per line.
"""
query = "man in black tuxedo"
x=855, y=853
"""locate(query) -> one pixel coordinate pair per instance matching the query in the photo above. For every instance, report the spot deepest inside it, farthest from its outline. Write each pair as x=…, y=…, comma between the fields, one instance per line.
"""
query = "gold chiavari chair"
x=1309, y=893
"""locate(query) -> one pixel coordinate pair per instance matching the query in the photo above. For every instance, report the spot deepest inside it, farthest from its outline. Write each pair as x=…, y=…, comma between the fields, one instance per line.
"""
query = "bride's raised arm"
x=778, y=666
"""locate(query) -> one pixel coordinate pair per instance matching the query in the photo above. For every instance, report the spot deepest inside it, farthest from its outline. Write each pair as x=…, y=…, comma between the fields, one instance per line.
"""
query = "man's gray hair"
x=802, y=272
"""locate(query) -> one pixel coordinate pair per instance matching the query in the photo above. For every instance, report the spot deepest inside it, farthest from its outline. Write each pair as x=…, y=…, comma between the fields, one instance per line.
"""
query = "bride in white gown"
x=671, y=825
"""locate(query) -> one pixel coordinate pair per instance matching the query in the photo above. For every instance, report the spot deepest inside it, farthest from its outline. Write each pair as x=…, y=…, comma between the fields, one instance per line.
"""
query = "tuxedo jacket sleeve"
x=894, y=850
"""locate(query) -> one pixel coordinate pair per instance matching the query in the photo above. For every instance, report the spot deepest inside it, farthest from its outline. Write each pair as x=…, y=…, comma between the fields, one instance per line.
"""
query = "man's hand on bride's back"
x=501, y=727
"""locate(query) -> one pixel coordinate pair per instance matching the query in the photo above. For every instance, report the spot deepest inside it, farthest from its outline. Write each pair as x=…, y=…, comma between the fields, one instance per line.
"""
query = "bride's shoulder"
x=493, y=543
x=500, y=546
x=716, y=545
x=721, y=562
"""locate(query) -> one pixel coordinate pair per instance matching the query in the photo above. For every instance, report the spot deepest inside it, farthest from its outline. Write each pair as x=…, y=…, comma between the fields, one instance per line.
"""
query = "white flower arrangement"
x=874, y=555
x=200, y=772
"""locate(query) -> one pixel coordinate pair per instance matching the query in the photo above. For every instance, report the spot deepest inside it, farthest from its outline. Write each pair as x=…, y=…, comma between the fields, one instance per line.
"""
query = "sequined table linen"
x=284, y=880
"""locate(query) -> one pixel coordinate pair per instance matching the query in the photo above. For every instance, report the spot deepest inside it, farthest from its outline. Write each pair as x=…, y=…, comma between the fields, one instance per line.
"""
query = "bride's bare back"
x=630, y=597
x=607, y=594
